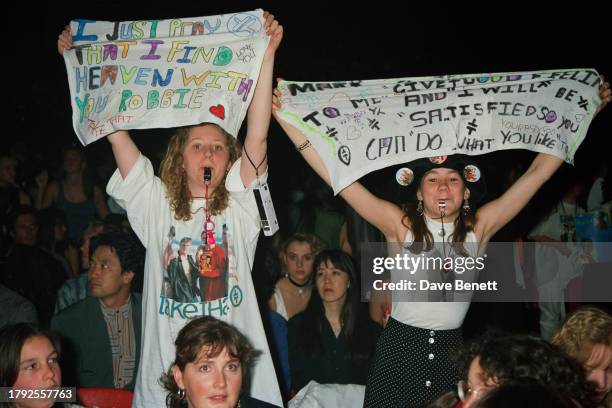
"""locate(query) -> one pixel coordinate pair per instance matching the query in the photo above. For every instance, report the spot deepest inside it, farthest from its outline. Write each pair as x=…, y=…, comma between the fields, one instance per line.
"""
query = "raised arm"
x=382, y=214
x=497, y=213
x=125, y=151
x=258, y=119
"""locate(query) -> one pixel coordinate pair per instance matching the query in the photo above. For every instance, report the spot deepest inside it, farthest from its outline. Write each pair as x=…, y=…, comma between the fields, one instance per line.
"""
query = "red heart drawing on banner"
x=218, y=111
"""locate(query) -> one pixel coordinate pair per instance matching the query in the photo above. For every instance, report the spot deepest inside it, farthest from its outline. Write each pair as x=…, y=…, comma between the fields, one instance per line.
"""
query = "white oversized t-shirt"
x=229, y=295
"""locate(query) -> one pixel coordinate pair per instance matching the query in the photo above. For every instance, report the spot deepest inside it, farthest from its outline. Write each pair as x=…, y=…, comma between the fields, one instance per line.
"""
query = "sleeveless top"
x=412, y=308
x=78, y=215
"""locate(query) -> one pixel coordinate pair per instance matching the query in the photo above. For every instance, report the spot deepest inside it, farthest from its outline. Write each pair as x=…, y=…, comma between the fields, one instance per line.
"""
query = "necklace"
x=301, y=287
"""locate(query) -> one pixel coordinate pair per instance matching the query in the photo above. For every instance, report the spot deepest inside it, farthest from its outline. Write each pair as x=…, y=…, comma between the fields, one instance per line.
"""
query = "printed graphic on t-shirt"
x=200, y=274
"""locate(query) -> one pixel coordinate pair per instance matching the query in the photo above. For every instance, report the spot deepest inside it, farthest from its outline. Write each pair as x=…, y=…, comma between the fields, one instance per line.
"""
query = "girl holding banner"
x=204, y=194
x=411, y=365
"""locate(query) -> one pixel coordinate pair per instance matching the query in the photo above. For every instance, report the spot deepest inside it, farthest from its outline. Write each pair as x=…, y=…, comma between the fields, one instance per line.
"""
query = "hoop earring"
x=466, y=207
x=419, y=209
x=181, y=394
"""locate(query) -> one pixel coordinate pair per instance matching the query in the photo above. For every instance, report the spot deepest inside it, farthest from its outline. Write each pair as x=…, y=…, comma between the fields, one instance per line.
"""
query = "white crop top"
x=412, y=308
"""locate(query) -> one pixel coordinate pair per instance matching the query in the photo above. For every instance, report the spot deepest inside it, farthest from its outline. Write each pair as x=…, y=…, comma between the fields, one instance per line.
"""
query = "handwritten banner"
x=163, y=73
x=361, y=126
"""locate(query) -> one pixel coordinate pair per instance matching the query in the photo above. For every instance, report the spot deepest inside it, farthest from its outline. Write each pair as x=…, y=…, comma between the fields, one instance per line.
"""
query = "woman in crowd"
x=333, y=340
x=411, y=364
x=292, y=290
x=75, y=194
x=205, y=193
x=291, y=295
x=210, y=368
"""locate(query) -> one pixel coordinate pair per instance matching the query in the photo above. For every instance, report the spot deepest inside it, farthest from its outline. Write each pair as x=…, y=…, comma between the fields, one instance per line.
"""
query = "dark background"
x=323, y=41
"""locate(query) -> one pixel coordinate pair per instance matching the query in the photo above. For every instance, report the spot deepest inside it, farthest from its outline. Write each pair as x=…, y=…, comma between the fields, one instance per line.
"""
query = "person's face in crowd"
x=106, y=278
x=332, y=283
x=477, y=384
x=184, y=248
x=599, y=369
x=206, y=146
x=298, y=261
x=8, y=171
x=73, y=163
x=211, y=381
x=442, y=185
x=38, y=369
x=89, y=233
x=26, y=229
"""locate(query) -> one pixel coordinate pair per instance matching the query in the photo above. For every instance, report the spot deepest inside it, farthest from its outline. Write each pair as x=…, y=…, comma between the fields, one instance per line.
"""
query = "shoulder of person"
x=77, y=311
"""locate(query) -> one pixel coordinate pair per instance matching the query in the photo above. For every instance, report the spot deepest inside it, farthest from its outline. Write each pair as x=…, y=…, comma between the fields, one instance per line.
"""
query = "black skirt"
x=411, y=366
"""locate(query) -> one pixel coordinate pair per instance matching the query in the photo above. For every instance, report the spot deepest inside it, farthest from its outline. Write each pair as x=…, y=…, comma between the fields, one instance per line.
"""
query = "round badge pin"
x=404, y=176
x=471, y=173
x=438, y=159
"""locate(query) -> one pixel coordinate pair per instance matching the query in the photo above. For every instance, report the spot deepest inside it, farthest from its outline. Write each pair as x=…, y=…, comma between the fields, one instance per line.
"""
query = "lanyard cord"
x=208, y=236
x=253, y=164
x=441, y=207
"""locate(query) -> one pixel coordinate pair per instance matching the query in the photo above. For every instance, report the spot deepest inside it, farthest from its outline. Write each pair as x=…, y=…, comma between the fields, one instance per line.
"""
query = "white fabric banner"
x=163, y=73
x=361, y=126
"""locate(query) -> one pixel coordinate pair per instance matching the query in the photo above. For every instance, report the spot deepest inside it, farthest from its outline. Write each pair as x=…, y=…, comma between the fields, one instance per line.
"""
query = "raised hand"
x=276, y=103
x=64, y=41
x=274, y=30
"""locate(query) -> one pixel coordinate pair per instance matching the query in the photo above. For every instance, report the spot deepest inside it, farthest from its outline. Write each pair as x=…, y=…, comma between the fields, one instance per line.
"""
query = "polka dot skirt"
x=411, y=366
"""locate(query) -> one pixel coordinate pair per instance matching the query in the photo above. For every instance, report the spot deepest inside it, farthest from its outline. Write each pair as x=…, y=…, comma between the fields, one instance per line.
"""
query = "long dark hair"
x=422, y=238
x=353, y=313
x=206, y=332
x=12, y=339
x=529, y=359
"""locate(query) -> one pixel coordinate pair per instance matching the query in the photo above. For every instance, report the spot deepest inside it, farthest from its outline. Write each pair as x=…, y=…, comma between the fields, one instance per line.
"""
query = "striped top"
x=120, y=327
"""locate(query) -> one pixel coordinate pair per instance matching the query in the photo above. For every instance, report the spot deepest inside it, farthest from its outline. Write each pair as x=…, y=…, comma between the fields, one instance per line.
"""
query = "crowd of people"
x=152, y=288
